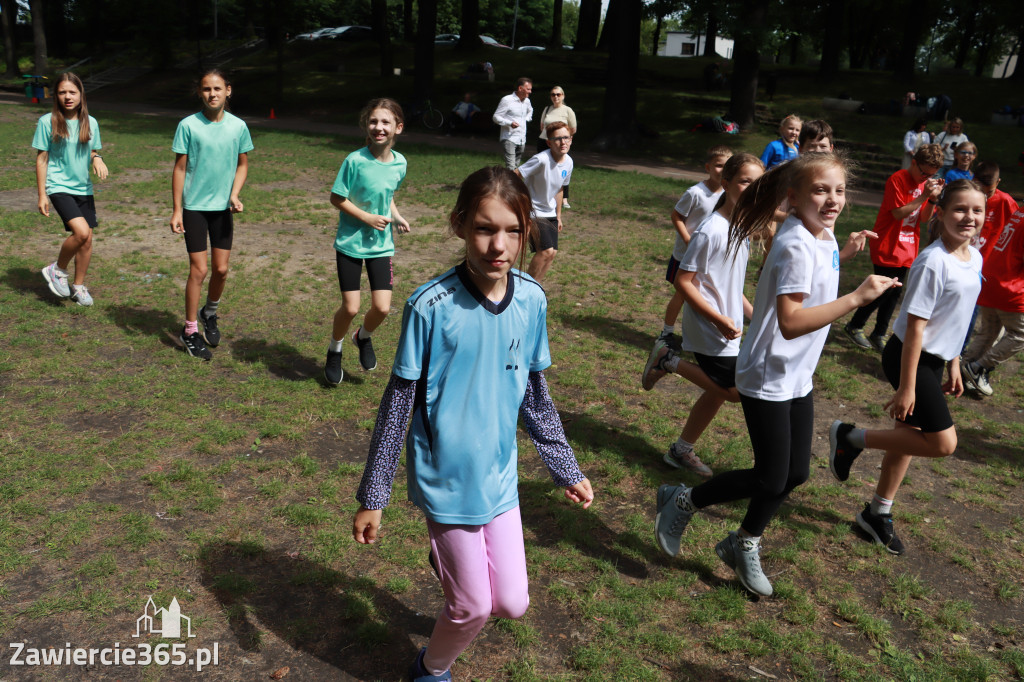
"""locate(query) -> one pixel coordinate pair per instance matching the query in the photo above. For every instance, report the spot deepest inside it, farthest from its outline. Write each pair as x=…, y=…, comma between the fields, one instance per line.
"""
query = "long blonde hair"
x=755, y=210
x=59, y=122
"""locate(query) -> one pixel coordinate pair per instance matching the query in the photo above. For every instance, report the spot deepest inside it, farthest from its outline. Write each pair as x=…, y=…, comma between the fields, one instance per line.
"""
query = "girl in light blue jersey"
x=210, y=168
x=470, y=361
x=67, y=143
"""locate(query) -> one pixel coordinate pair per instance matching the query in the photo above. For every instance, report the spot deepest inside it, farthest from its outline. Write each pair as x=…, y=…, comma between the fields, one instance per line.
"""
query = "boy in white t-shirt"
x=545, y=175
x=696, y=204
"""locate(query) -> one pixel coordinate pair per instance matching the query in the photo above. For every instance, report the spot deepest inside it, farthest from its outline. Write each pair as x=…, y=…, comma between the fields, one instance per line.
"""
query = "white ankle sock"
x=856, y=438
x=880, y=505
x=362, y=333
x=748, y=542
x=335, y=346
x=668, y=329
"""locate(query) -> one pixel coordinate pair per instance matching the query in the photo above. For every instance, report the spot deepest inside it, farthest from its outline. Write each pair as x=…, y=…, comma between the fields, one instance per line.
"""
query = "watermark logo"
x=166, y=623
x=170, y=621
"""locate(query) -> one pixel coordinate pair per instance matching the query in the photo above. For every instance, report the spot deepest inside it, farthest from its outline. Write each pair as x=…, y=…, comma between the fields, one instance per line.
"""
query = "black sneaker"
x=840, y=453
x=194, y=345
x=879, y=527
x=878, y=341
x=333, y=374
x=367, y=358
x=673, y=341
x=210, y=330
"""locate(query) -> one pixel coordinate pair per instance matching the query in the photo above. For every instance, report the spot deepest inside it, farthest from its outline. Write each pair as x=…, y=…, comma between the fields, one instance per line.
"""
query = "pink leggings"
x=483, y=572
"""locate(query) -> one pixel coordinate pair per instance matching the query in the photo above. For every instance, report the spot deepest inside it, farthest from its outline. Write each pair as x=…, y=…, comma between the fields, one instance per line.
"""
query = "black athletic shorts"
x=721, y=370
x=378, y=270
x=71, y=206
x=672, y=270
x=218, y=225
x=931, y=413
x=545, y=236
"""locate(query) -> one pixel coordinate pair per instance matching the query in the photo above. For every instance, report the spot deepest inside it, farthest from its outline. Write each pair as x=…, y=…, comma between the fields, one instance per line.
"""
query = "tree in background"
x=748, y=30
x=619, y=129
x=423, y=74
x=8, y=18
x=589, y=24
x=469, y=34
x=379, y=12
x=40, y=64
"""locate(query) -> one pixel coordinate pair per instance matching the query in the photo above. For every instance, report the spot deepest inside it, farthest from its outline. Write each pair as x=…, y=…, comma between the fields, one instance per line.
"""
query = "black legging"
x=886, y=303
x=780, y=433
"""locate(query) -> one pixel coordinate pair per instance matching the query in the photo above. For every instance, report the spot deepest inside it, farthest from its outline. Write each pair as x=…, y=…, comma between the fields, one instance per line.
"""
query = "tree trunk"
x=619, y=129
x=657, y=35
x=966, y=33
x=712, y=34
x=1018, y=67
x=408, y=27
x=747, y=62
x=794, y=49
x=56, y=29
x=426, y=28
x=556, y=27
x=7, y=9
x=832, y=44
x=379, y=21
x=589, y=23
x=40, y=64
x=984, y=48
x=612, y=17
x=913, y=31
x=469, y=38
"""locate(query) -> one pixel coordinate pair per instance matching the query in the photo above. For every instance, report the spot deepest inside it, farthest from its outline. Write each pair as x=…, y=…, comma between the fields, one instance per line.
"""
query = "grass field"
x=128, y=469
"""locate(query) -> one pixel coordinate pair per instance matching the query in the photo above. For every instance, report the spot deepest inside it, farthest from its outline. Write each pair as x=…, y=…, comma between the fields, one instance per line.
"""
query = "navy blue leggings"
x=780, y=433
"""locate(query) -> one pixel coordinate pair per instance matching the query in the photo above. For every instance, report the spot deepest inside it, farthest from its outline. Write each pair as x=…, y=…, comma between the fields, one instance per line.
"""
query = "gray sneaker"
x=56, y=280
x=857, y=336
x=976, y=377
x=671, y=521
x=878, y=341
x=688, y=459
x=80, y=295
x=655, y=367
x=746, y=564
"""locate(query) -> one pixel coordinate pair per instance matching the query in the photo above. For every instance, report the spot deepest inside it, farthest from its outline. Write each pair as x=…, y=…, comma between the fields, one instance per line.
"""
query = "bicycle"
x=431, y=117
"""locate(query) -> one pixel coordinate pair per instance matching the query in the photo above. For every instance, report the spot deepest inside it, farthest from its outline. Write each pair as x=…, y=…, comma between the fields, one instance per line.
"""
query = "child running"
x=786, y=148
x=364, y=194
x=67, y=143
x=693, y=207
x=963, y=159
x=941, y=290
x=472, y=352
x=210, y=168
x=546, y=175
x=907, y=202
x=711, y=279
x=1000, y=306
x=794, y=306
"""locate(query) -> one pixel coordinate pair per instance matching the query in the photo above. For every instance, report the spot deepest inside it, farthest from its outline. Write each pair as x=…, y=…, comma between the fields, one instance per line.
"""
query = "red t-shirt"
x=1002, y=286
x=897, y=243
x=998, y=210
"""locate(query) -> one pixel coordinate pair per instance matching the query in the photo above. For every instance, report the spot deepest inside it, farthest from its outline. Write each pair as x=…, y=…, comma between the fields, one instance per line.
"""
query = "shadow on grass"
x=982, y=447
x=282, y=360
x=338, y=618
x=147, y=322
x=31, y=282
x=608, y=328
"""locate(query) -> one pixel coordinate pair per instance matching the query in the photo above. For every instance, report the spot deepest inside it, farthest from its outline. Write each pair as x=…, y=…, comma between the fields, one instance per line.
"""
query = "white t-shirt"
x=942, y=289
x=770, y=367
x=544, y=178
x=719, y=279
x=695, y=205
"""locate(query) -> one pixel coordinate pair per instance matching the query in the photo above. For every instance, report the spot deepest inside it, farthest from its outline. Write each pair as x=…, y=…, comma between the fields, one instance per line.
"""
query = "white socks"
x=880, y=505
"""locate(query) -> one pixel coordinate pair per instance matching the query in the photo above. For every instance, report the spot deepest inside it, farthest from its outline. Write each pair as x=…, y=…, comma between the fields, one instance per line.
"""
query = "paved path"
x=488, y=145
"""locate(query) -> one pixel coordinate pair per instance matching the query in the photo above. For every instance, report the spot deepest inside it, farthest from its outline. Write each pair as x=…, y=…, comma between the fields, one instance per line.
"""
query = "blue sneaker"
x=671, y=521
x=418, y=674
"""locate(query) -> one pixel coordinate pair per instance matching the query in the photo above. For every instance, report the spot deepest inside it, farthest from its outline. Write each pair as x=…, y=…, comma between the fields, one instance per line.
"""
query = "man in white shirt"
x=513, y=113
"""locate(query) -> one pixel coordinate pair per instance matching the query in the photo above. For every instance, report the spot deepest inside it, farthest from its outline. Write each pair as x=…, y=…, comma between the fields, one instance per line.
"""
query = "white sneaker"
x=57, y=280
x=80, y=295
x=746, y=564
x=976, y=377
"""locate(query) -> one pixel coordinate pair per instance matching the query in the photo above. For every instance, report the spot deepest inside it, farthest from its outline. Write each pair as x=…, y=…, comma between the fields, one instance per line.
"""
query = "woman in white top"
x=915, y=138
x=942, y=287
x=793, y=309
x=556, y=111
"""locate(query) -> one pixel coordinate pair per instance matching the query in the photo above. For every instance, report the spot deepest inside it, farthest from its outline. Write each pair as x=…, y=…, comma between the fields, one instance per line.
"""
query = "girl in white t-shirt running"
x=942, y=287
x=793, y=309
x=711, y=282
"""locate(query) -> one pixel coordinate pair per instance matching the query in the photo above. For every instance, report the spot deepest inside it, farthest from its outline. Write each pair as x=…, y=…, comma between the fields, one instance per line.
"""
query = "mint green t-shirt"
x=369, y=185
x=67, y=170
x=212, y=150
